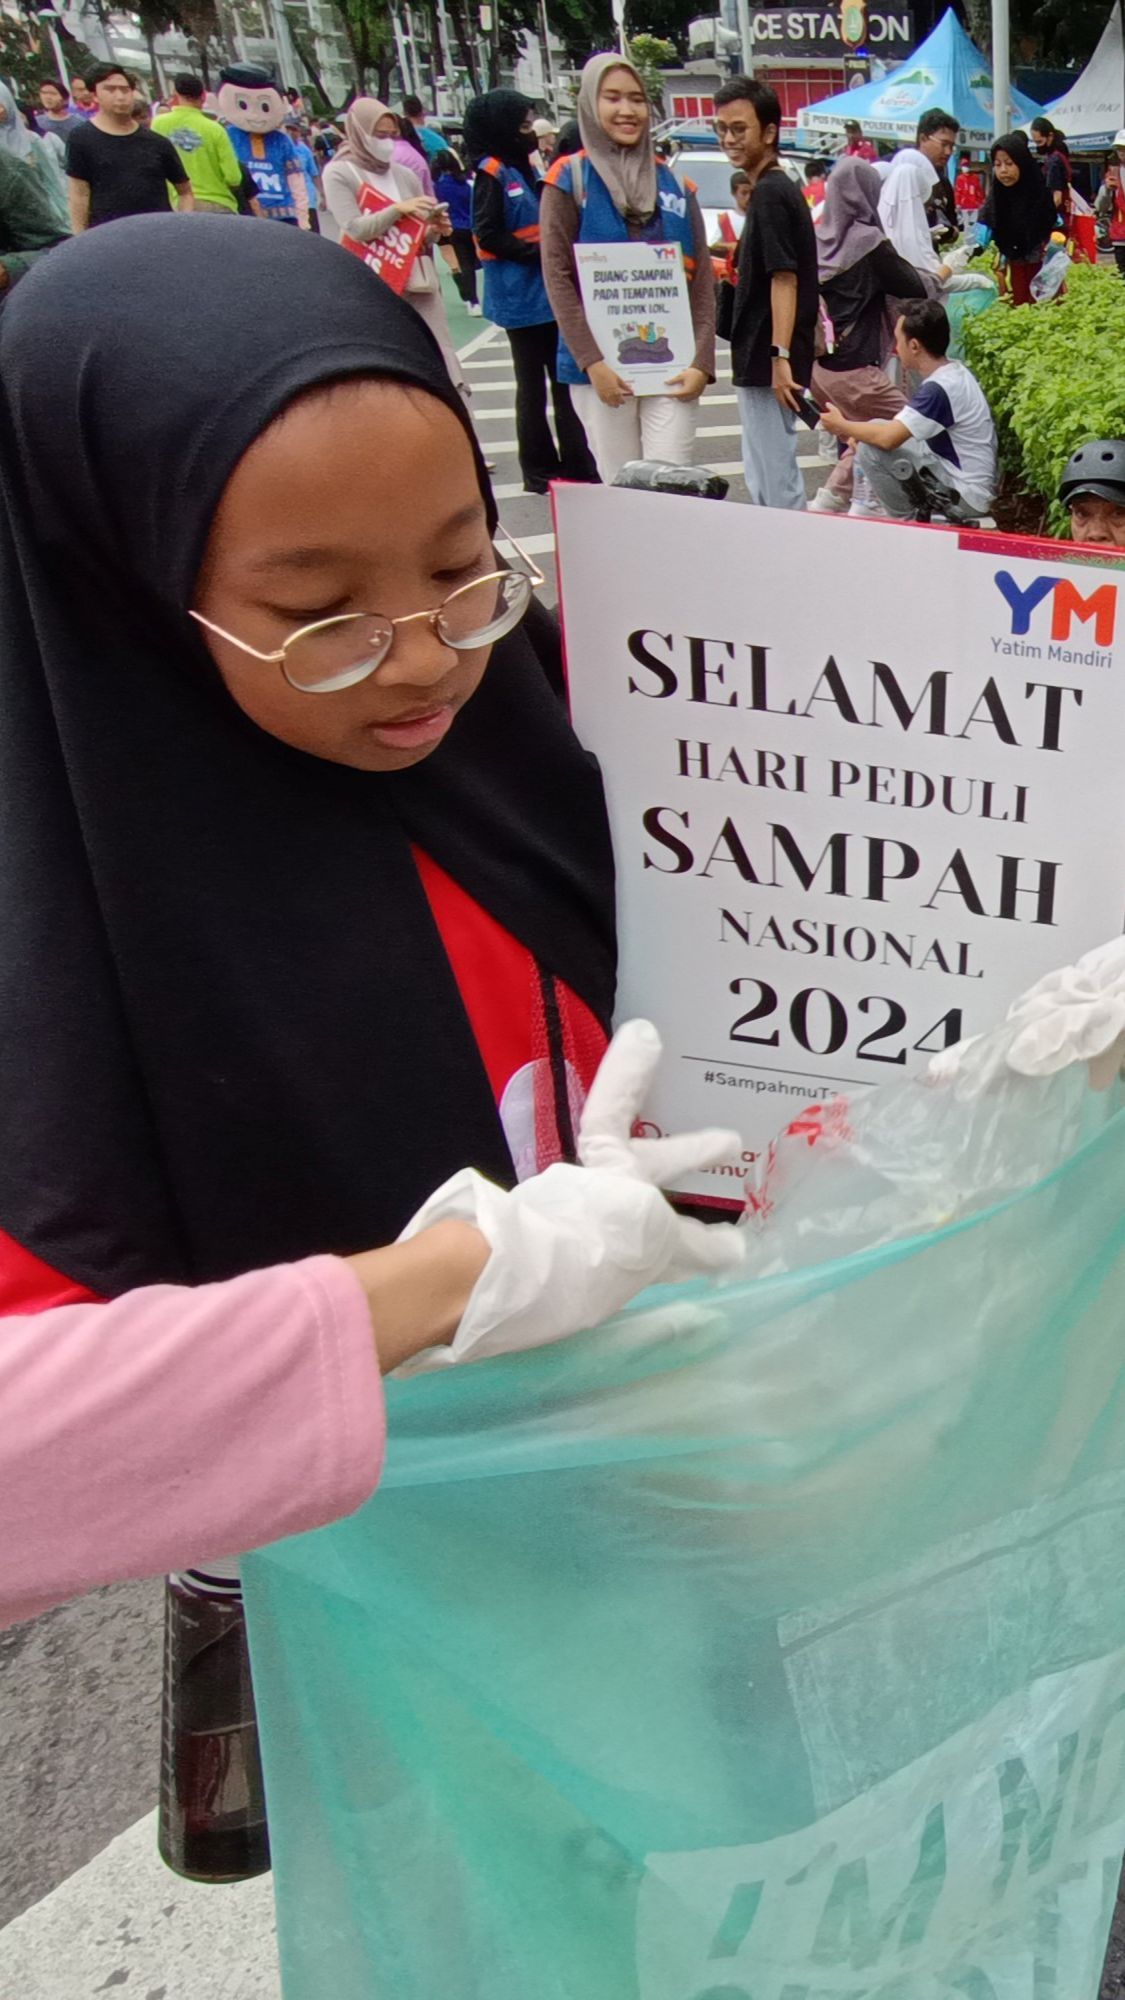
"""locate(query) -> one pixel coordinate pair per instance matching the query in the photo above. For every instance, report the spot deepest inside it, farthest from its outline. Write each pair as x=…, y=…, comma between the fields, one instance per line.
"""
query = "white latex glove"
x=1075, y=1015
x=573, y=1245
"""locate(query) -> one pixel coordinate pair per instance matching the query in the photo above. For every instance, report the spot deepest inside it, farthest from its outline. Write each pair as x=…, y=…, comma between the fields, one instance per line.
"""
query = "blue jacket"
x=458, y=198
x=602, y=222
x=506, y=222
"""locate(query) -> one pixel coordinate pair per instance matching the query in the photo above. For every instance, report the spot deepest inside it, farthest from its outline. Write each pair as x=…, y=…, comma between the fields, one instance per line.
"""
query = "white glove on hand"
x=1075, y=1015
x=573, y=1245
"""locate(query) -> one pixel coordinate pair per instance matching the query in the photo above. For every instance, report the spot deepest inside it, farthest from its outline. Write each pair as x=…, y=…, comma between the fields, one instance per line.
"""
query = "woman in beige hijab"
x=616, y=191
x=367, y=158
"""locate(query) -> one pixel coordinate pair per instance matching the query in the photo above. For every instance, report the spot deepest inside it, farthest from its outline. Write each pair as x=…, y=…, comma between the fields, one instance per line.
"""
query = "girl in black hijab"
x=499, y=143
x=306, y=891
x=1020, y=212
x=286, y=941
x=270, y=957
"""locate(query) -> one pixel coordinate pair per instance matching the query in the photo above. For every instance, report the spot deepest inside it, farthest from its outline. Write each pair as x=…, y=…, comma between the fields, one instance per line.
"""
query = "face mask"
x=382, y=149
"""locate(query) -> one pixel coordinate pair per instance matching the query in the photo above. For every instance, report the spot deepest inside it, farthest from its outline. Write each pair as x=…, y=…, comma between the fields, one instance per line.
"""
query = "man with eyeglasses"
x=773, y=324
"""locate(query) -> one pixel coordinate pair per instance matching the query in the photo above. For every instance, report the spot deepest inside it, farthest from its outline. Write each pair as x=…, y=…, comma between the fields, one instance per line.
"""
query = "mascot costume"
x=254, y=109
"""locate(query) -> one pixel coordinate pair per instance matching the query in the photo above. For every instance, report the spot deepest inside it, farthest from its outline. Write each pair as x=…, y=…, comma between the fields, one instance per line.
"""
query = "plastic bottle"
x=212, y=1821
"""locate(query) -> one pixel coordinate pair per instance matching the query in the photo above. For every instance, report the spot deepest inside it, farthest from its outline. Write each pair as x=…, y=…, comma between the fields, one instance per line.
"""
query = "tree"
x=667, y=19
x=370, y=38
x=1063, y=31
x=1060, y=31
x=26, y=62
x=199, y=21
x=650, y=55
x=305, y=50
x=26, y=55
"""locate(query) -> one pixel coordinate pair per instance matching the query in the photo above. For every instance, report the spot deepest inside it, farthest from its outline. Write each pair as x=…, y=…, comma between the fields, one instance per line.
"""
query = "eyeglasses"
x=724, y=131
x=337, y=653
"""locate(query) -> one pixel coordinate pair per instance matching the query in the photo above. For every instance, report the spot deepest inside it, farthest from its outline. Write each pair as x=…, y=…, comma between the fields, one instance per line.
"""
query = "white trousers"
x=650, y=427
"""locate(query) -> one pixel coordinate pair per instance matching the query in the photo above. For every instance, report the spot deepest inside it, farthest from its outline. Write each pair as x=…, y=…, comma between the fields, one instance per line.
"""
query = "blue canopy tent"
x=946, y=71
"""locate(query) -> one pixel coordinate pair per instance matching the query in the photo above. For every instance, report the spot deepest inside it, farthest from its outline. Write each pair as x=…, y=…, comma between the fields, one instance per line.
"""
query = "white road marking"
x=484, y=338
x=497, y=447
x=125, y=1922
x=505, y=389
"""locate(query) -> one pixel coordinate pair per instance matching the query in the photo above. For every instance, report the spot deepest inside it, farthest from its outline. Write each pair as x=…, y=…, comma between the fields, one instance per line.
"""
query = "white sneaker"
x=473, y=311
x=826, y=502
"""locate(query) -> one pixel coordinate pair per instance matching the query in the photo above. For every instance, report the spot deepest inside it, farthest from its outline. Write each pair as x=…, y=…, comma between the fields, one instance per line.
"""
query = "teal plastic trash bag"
x=961, y=306
x=765, y=1644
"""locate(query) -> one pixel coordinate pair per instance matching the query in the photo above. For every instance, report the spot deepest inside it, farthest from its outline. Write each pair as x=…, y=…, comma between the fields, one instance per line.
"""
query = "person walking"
x=295, y=130
x=115, y=166
x=203, y=145
x=1053, y=157
x=454, y=188
x=429, y=139
x=499, y=141
x=908, y=193
x=33, y=213
x=861, y=273
x=615, y=191
x=968, y=195
x=1020, y=212
x=1115, y=185
x=367, y=159
x=856, y=147
x=546, y=143
x=82, y=99
x=38, y=157
x=410, y=153
x=775, y=306
x=54, y=114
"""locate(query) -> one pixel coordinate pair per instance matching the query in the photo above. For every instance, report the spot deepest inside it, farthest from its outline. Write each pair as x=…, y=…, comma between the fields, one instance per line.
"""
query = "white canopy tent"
x=1093, y=109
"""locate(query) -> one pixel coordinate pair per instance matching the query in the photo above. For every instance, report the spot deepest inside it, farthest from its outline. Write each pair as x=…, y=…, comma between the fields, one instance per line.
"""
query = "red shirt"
x=968, y=192
x=524, y=1025
x=861, y=149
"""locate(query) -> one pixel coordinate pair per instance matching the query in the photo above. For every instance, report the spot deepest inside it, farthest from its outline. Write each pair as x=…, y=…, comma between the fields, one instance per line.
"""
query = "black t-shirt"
x=856, y=301
x=778, y=236
x=128, y=173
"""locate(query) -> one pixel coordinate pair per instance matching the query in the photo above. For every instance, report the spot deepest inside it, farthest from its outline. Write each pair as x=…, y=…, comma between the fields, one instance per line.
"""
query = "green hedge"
x=1054, y=375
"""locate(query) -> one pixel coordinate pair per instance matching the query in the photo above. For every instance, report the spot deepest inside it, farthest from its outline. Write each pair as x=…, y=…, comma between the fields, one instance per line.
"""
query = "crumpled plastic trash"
x=986, y=1120
x=1076, y=1015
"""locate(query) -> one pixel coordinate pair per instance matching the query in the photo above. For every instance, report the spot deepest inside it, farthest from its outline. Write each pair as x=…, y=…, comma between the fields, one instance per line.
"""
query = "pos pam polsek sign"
x=864, y=782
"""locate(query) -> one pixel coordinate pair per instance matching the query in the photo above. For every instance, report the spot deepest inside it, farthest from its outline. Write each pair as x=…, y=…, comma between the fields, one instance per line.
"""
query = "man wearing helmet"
x=1093, y=488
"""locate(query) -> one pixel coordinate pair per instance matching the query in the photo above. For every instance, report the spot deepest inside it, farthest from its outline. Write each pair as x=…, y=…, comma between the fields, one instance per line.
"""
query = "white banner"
x=636, y=301
x=866, y=783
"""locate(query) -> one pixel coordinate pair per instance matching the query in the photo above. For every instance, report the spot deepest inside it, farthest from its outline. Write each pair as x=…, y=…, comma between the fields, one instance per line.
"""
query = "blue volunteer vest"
x=514, y=294
x=603, y=223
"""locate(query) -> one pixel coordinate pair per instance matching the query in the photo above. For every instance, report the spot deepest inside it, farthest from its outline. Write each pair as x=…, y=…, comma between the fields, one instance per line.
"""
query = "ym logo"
x=1067, y=605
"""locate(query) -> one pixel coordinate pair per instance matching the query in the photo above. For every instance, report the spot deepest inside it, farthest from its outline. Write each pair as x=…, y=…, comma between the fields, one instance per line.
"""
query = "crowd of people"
x=819, y=291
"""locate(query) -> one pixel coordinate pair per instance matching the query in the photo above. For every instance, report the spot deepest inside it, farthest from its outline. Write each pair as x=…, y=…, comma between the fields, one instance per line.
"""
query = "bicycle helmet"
x=1097, y=468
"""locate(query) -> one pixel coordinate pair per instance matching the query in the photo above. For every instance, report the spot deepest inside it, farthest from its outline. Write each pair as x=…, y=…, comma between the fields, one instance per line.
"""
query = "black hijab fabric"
x=229, y=1033
x=492, y=126
x=1022, y=217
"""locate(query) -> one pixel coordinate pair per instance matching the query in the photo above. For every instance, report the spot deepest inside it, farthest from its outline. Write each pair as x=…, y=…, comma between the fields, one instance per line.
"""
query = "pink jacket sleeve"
x=173, y=1426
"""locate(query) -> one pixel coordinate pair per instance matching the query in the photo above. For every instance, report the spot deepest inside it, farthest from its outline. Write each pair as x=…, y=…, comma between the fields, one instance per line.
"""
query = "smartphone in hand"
x=807, y=410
